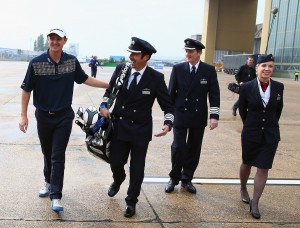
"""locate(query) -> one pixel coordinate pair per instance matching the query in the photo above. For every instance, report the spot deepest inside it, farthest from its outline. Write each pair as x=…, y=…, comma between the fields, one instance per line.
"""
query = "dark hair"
x=144, y=54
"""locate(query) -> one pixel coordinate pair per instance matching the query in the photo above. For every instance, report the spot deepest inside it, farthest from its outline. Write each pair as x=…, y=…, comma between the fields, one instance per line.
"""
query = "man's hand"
x=165, y=130
x=23, y=125
x=213, y=124
x=105, y=113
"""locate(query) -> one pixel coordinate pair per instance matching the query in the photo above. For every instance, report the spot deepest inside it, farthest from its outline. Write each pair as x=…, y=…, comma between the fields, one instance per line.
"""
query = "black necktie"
x=193, y=73
x=133, y=82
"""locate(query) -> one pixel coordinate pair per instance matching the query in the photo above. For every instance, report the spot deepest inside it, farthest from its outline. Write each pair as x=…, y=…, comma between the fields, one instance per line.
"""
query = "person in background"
x=132, y=118
x=94, y=64
x=261, y=103
x=51, y=77
x=245, y=73
x=297, y=72
x=192, y=85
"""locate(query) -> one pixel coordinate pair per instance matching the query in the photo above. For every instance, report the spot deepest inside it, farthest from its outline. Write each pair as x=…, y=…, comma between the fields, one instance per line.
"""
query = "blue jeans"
x=236, y=105
x=54, y=132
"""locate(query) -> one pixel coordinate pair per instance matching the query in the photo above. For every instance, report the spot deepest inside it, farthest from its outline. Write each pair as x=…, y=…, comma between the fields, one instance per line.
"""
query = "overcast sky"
x=105, y=27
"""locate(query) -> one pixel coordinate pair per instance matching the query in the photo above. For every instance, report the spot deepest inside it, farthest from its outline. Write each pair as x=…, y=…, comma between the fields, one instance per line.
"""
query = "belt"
x=56, y=112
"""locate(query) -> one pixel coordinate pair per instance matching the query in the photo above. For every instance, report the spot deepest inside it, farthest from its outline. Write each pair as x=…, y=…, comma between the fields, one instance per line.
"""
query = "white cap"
x=58, y=31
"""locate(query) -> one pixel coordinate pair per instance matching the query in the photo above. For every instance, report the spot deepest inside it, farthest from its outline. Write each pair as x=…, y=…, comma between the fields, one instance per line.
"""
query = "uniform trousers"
x=185, y=152
x=119, y=154
x=54, y=132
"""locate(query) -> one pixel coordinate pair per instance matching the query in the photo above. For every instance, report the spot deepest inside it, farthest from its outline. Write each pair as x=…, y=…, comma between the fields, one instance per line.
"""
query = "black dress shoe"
x=245, y=196
x=170, y=186
x=255, y=214
x=189, y=187
x=113, y=189
x=129, y=211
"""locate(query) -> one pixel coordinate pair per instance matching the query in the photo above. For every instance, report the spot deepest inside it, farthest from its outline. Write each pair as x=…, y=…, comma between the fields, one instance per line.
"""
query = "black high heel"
x=255, y=215
x=245, y=198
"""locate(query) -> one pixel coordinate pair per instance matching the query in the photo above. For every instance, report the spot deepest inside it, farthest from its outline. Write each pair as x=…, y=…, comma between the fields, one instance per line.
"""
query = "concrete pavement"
x=87, y=178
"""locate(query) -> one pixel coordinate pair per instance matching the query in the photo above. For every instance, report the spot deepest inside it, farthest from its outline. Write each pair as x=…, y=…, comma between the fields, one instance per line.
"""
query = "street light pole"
x=274, y=11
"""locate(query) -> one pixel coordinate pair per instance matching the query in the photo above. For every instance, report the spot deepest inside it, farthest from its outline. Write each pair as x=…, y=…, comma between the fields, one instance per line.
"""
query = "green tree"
x=39, y=44
x=46, y=46
x=34, y=46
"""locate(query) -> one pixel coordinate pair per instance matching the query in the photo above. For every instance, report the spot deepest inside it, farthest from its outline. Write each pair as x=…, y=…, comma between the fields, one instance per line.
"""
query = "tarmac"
x=87, y=179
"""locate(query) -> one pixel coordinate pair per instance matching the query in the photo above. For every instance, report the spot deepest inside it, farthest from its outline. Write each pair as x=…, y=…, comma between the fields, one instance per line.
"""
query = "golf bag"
x=98, y=132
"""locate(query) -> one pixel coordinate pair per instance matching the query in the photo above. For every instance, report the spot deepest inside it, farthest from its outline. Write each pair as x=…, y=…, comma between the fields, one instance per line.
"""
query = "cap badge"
x=132, y=42
x=188, y=42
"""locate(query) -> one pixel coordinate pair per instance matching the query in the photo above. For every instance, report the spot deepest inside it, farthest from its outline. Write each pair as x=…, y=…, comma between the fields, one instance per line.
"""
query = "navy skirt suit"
x=260, y=135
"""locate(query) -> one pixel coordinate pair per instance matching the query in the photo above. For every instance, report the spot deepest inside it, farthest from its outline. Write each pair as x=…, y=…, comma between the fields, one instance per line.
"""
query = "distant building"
x=197, y=37
x=257, y=39
x=10, y=54
x=218, y=54
x=283, y=32
x=72, y=49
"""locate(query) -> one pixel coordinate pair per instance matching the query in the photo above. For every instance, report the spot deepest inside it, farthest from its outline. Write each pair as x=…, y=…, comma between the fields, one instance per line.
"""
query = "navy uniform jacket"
x=259, y=121
x=190, y=98
x=134, y=112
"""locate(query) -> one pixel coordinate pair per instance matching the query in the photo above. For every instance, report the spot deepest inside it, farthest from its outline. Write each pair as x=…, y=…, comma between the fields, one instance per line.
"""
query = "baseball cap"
x=58, y=31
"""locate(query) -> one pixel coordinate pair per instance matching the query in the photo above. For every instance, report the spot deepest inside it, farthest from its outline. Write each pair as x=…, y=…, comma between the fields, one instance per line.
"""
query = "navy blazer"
x=260, y=122
x=190, y=96
x=133, y=112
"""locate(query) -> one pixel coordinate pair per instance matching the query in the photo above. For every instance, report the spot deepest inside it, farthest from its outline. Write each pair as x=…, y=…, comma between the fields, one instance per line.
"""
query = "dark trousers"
x=54, y=132
x=185, y=152
x=93, y=72
x=118, y=158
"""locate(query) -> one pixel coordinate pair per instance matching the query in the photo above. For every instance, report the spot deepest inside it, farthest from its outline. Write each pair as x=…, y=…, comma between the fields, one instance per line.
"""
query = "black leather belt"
x=56, y=112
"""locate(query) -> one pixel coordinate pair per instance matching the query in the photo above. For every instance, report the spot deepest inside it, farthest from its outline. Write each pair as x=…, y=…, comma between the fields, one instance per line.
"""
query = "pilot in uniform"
x=192, y=85
x=132, y=118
